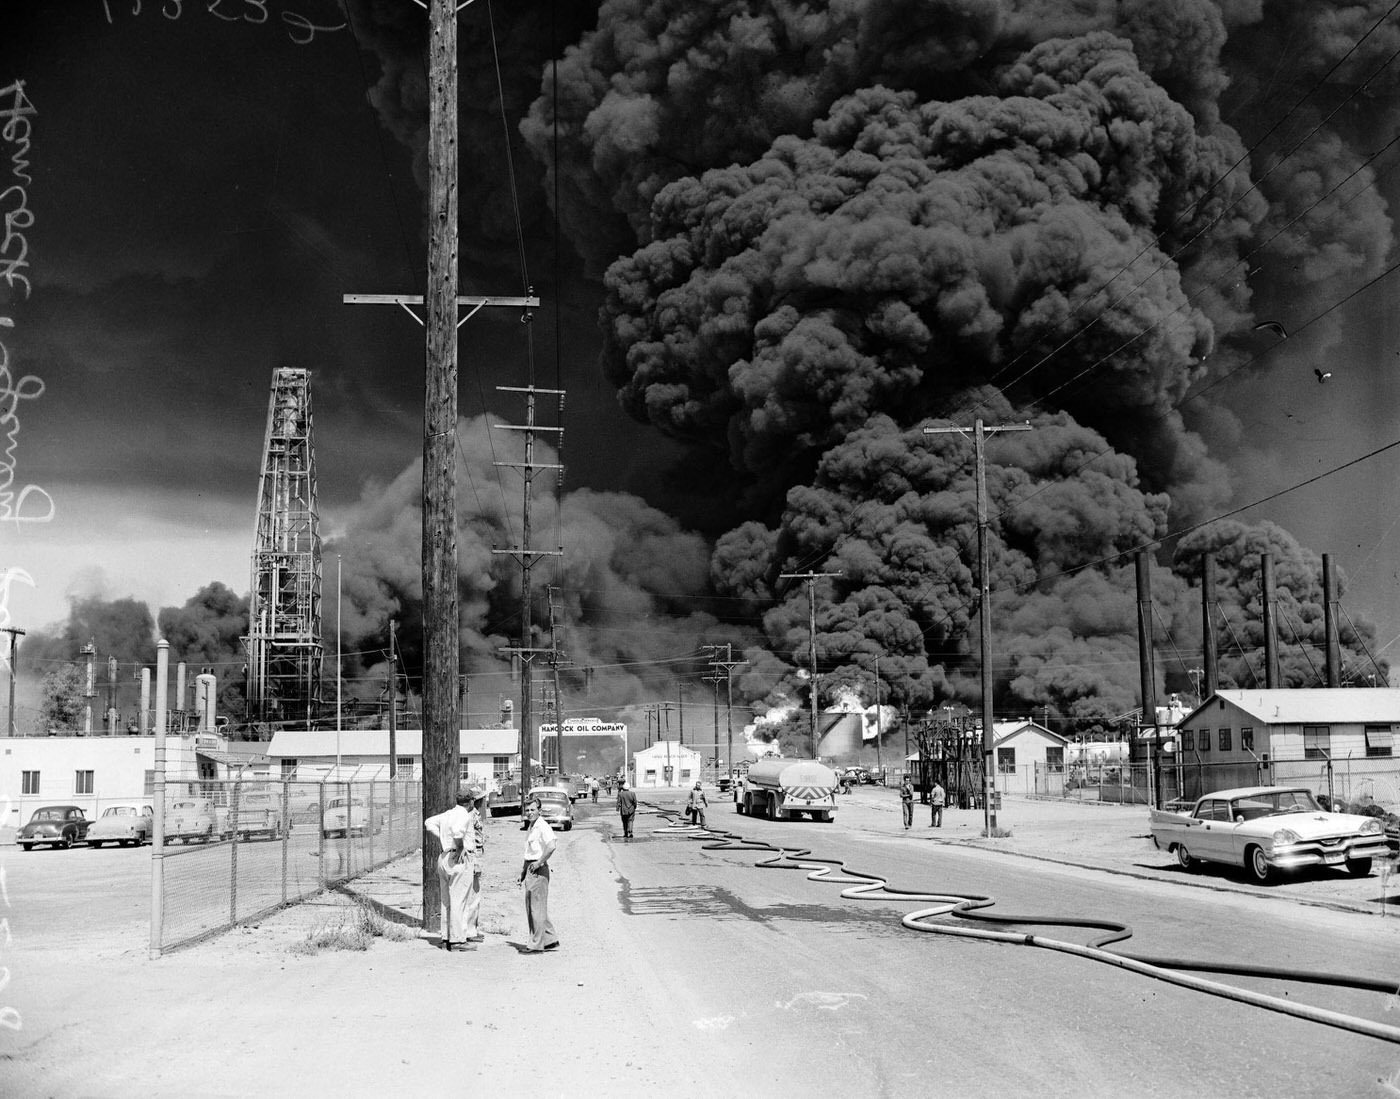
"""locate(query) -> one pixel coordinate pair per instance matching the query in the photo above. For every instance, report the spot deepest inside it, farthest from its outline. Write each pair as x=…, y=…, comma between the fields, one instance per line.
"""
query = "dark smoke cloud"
x=625, y=585
x=823, y=225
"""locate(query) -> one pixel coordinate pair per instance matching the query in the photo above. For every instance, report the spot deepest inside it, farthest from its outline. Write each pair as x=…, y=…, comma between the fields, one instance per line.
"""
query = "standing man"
x=906, y=800
x=697, y=805
x=534, y=877
x=456, y=833
x=593, y=788
x=936, y=798
x=626, y=808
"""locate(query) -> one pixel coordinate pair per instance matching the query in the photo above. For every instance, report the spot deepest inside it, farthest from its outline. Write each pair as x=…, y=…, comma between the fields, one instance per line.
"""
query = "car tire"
x=94, y=843
x=1258, y=866
x=27, y=846
x=1183, y=857
x=1359, y=868
x=569, y=827
x=66, y=842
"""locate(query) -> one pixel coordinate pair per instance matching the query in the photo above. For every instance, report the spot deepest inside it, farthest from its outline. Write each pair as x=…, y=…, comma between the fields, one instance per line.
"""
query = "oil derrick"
x=284, y=612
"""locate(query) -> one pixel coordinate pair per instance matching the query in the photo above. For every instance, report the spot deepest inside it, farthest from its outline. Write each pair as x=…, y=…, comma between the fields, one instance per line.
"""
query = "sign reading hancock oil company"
x=586, y=726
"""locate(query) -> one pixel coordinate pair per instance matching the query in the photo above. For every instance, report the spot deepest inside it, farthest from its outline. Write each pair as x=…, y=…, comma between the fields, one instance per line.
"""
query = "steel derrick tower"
x=284, y=611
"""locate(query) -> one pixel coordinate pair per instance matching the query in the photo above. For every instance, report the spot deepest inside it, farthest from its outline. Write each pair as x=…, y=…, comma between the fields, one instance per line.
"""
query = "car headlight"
x=1284, y=836
x=1372, y=827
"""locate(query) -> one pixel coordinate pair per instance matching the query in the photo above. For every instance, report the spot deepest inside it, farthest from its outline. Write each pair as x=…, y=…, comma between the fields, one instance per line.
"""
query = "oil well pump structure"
x=284, y=612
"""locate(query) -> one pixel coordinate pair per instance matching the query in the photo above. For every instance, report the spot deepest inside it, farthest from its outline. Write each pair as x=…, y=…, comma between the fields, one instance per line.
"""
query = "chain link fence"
x=233, y=851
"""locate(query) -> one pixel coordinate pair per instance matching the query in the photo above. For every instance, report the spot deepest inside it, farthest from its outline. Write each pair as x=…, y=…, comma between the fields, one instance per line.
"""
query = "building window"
x=500, y=765
x=82, y=782
x=403, y=765
x=685, y=775
x=1224, y=740
x=650, y=776
x=30, y=782
x=1055, y=760
x=1317, y=739
x=149, y=784
x=1006, y=761
x=289, y=768
x=1247, y=738
x=1188, y=740
x=1203, y=741
x=1379, y=741
x=463, y=770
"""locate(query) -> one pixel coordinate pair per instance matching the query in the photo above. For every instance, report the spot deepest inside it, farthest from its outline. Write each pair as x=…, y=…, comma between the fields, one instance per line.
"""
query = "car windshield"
x=184, y=805
x=1273, y=802
x=339, y=803
x=121, y=811
x=553, y=799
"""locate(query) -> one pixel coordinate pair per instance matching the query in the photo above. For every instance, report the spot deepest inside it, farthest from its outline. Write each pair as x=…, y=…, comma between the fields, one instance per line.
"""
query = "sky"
x=191, y=188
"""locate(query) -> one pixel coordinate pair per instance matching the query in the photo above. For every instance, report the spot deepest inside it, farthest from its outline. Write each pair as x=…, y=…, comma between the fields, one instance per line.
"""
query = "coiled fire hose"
x=973, y=908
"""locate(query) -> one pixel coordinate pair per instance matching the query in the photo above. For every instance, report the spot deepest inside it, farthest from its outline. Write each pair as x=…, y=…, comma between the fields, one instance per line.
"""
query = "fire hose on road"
x=974, y=908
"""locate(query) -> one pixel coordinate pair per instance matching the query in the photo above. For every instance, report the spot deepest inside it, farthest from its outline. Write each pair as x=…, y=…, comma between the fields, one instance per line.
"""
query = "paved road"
x=691, y=972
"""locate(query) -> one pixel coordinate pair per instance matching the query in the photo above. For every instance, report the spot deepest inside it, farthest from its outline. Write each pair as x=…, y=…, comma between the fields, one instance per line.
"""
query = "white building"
x=1022, y=749
x=94, y=771
x=666, y=763
x=311, y=755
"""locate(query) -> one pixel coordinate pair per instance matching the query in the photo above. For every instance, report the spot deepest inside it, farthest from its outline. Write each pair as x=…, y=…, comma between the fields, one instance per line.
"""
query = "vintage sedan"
x=191, y=819
x=345, y=816
x=1266, y=829
x=555, y=807
x=59, y=825
x=131, y=824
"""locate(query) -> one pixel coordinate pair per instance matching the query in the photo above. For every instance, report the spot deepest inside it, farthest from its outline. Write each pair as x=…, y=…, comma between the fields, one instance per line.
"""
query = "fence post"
x=321, y=830
x=286, y=833
x=231, y=822
x=373, y=822
x=347, y=834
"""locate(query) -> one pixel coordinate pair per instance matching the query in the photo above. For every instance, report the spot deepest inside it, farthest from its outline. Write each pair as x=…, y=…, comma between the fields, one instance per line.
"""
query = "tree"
x=63, y=699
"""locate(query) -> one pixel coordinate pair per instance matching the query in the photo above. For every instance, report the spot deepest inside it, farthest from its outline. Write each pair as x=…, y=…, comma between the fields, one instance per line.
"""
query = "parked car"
x=123, y=824
x=259, y=814
x=60, y=825
x=860, y=776
x=555, y=807
x=191, y=819
x=1266, y=829
x=345, y=816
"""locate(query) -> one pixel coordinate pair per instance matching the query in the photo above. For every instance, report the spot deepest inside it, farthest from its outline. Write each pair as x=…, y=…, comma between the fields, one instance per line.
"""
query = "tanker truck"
x=781, y=789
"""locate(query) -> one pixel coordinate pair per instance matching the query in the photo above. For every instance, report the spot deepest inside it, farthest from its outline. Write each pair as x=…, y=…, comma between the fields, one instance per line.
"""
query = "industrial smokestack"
x=1266, y=564
x=205, y=688
x=181, y=699
x=110, y=717
x=1329, y=622
x=144, y=719
x=89, y=690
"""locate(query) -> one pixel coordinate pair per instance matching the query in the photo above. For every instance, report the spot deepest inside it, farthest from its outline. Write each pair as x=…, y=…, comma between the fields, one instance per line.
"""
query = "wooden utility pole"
x=441, y=658
x=15, y=634
x=527, y=558
x=811, y=578
x=979, y=433
x=728, y=664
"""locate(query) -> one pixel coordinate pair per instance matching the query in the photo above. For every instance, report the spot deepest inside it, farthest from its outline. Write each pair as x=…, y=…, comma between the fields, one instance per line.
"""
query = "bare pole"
x=440, y=647
x=15, y=634
x=979, y=434
x=811, y=578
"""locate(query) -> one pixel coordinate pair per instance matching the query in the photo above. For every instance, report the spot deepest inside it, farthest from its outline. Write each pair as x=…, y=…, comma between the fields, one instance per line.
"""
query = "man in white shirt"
x=534, y=877
x=459, y=869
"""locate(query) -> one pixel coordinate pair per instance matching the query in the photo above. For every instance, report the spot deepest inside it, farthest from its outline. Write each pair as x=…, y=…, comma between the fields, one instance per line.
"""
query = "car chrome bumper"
x=1289, y=858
